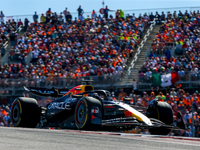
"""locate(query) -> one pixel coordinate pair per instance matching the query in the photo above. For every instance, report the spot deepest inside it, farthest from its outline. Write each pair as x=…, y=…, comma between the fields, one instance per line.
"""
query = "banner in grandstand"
x=101, y=11
x=164, y=80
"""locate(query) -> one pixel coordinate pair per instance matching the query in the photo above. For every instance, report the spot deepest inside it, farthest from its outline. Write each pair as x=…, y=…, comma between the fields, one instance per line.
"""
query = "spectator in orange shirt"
x=122, y=94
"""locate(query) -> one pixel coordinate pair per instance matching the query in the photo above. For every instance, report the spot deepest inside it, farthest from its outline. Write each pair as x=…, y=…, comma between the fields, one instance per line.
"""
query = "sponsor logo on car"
x=59, y=105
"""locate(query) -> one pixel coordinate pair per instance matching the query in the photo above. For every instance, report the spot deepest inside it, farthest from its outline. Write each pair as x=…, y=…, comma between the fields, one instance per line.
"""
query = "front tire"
x=25, y=112
x=163, y=112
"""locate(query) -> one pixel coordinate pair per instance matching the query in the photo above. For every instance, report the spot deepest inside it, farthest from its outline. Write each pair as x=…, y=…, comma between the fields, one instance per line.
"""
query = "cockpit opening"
x=89, y=88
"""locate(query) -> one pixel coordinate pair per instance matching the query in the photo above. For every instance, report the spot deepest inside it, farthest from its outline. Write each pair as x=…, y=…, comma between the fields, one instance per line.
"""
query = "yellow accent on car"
x=20, y=107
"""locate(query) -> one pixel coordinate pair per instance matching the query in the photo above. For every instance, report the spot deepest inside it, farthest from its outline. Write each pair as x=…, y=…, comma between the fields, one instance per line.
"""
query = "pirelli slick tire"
x=83, y=113
x=25, y=112
x=163, y=112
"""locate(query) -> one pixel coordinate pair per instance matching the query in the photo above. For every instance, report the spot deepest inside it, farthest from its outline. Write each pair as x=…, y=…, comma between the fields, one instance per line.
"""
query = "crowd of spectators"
x=92, y=46
x=181, y=30
x=5, y=116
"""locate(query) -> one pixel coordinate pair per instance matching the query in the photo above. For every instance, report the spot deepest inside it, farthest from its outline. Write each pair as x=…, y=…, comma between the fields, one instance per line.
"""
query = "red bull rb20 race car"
x=84, y=108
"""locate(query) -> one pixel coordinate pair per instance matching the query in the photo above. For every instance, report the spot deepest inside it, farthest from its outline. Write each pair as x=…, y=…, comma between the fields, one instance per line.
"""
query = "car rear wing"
x=44, y=92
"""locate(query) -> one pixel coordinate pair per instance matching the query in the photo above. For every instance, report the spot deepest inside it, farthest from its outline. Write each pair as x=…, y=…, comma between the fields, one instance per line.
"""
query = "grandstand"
x=117, y=52
x=97, y=49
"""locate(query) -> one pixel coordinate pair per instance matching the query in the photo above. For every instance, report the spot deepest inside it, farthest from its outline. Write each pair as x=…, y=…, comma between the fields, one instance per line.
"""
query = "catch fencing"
x=14, y=87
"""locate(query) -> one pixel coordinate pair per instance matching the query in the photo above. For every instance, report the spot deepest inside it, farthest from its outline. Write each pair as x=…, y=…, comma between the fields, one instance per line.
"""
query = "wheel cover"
x=80, y=113
x=15, y=116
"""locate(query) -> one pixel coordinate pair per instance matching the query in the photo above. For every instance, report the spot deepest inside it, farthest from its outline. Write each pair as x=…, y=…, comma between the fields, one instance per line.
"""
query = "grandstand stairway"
x=127, y=79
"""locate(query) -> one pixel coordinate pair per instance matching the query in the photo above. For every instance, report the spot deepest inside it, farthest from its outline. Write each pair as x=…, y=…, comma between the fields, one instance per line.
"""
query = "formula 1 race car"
x=82, y=107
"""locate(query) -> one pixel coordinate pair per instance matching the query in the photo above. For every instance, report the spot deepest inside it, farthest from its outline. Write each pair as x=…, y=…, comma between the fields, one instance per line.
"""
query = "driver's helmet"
x=108, y=94
x=93, y=94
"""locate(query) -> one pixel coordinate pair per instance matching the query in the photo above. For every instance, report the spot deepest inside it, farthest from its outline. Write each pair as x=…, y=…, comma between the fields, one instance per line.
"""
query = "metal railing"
x=126, y=12
x=13, y=87
x=143, y=42
x=160, y=10
x=5, y=45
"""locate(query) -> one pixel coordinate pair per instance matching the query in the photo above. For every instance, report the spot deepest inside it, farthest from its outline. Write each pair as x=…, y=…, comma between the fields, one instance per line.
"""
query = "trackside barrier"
x=14, y=87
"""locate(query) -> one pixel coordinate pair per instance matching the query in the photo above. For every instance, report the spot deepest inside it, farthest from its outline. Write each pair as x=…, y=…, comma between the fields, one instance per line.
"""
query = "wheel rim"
x=15, y=113
x=80, y=113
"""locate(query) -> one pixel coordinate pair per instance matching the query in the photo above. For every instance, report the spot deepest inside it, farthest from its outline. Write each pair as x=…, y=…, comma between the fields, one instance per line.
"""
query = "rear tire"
x=163, y=112
x=25, y=112
x=83, y=113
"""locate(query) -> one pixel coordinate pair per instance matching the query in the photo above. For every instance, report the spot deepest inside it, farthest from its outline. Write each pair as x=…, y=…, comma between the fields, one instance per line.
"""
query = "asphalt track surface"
x=45, y=139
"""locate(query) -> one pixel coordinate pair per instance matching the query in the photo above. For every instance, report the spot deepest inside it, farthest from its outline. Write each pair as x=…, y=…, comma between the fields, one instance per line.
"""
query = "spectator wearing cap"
x=162, y=96
x=106, y=10
x=188, y=132
x=48, y=13
x=187, y=116
x=122, y=94
x=7, y=120
x=152, y=96
x=94, y=15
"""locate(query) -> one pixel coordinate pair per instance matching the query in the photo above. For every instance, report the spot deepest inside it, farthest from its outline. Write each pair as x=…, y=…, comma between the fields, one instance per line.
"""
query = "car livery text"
x=59, y=105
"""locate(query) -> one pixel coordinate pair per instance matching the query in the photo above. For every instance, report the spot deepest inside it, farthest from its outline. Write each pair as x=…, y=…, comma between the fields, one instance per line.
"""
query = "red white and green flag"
x=164, y=80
